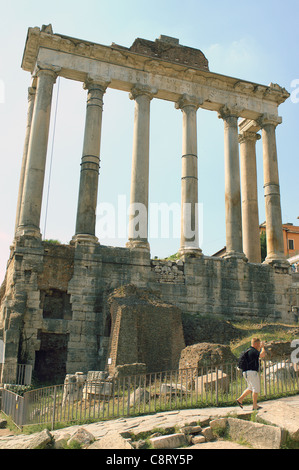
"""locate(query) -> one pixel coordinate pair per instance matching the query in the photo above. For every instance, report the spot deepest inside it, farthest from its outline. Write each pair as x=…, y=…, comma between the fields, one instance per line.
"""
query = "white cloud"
x=240, y=58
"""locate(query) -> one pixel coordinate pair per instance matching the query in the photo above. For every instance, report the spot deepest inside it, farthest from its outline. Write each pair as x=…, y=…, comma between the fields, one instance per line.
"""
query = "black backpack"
x=243, y=361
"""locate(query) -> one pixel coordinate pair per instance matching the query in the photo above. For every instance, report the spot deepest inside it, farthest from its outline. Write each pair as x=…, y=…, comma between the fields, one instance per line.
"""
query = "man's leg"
x=254, y=400
x=244, y=395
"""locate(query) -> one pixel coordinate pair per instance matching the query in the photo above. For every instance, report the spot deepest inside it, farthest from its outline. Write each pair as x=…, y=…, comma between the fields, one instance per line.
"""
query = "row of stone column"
x=242, y=221
x=239, y=239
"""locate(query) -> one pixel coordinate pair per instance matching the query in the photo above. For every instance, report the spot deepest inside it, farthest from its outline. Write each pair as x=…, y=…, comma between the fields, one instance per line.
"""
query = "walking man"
x=251, y=372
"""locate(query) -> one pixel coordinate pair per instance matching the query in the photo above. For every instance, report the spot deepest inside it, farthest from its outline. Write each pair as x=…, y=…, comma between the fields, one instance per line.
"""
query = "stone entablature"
x=124, y=69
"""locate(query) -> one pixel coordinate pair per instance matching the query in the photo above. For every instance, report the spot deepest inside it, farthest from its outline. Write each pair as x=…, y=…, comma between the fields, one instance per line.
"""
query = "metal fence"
x=12, y=405
x=143, y=394
x=16, y=374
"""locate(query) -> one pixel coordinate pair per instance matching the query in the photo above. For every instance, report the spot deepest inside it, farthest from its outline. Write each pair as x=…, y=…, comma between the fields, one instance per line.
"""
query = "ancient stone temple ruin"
x=55, y=311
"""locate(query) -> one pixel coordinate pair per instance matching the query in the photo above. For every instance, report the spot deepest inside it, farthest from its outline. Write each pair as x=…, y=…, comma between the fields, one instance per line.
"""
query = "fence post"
x=54, y=407
x=129, y=386
x=265, y=377
x=216, y=384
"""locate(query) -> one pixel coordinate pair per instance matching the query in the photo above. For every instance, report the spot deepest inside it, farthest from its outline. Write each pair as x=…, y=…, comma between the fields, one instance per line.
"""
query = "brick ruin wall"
x=54, y=298
x=144, y=330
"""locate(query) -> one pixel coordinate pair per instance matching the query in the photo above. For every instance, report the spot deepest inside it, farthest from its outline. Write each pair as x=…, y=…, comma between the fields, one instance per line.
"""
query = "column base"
x=139, y=245
x=277, y=260
x=28, y=231
x=84, y=239
x=235, y=255
x=190, y=251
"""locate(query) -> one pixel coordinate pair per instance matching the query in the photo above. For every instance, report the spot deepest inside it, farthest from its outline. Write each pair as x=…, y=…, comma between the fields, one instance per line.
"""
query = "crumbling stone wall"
x=170, y=49
x=76, y=283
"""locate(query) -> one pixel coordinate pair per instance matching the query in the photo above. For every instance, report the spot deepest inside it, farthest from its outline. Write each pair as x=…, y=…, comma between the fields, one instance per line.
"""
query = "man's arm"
x=263, y=351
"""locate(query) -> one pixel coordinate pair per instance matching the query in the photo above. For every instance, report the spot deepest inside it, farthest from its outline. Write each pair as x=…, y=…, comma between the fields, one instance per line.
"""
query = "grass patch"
x=290, y=443
x=10, y=424
x=266, y=331
x=146, y=434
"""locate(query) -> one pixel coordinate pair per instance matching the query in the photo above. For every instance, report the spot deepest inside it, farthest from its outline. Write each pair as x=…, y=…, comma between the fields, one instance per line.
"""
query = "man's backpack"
x=243, y=361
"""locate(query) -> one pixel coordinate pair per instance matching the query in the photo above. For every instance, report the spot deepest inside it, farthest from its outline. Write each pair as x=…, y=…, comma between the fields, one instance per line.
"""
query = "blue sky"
x=255, y=41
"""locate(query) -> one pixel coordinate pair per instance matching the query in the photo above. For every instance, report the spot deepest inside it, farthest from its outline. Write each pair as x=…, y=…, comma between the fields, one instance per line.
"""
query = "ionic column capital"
x=144, y=90
x=268, y=119
x=42, y=68
x=96, y=82
x=226, y=112
x=248, y=136
x=188, y=100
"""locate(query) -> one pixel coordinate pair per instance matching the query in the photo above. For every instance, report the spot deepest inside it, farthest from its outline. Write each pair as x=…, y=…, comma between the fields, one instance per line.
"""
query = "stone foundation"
x=58, y=295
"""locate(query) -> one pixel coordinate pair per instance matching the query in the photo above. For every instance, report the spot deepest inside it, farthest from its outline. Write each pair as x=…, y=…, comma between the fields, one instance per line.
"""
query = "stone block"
x=191, y=429
x=98, y=389
x=260, y=436
x=82, y=438
x=211, y=382
x=172, y=388
x=208, y=434
x=112, y=440
x=218, y=426
x=61, y=441
x=198, y=439
x=283, y=415
x=140, y=395
x=40, y=441
x=171, y=441
x=126, y=370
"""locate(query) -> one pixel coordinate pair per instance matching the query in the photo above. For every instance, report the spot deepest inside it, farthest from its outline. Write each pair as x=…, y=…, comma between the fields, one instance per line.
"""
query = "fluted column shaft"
x=29, y=222
x=250, y=215
x=189, y=181
x=90, y=163
x=233, y=218
x=274, y=233
x=138, y=220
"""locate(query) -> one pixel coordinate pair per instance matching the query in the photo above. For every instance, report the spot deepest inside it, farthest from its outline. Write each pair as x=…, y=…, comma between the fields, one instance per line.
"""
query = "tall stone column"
x=90, y=163
x=29, y=221
x=189, y=181
x=250, y=215
x=138, y=220
x=31, y=101
x=233, y=218
x=274, y=233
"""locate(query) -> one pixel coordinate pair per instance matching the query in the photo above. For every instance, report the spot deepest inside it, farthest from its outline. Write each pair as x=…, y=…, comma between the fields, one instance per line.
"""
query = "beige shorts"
x=253, y=380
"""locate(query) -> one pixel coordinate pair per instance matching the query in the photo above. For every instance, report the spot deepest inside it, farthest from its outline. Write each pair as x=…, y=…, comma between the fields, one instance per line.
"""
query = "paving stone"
x=82, y=437
x=260, y=436
x=40, y=440
x=282, y=414
x=170, y=441
x=198, y=439
x=112, y=440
